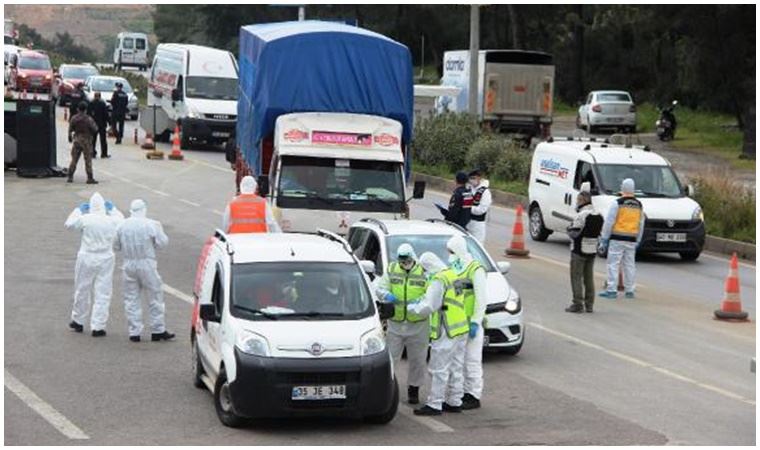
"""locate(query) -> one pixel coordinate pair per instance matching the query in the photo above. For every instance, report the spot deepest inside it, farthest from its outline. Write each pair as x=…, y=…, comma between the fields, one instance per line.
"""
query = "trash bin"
x=36, y=139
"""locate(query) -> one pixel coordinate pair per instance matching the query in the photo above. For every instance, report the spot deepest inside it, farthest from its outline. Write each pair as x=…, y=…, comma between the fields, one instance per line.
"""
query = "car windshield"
x=78, y=73
x=34, y=63
x=436, y=243
x=651, y=181
x=212, y=88
x=109, y=84
x=300, y=291
x=610, y=97
x=329, y=183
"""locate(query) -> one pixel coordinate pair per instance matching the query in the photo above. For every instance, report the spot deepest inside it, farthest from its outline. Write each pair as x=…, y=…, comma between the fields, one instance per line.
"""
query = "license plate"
x=220, y=134
x=615, y=120
x=486, y=340
x=671, y=237
x=319, y=392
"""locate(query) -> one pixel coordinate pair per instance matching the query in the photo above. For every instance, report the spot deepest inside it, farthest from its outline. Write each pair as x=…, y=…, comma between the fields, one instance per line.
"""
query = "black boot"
x=69, y=180
x=98, y=333
x=165, y=336
x=589, y=307
x=92, y=181
x=427, y=411
x=470, y=402
x=574, y=308
x=134, y=338
x=413, y=393
x=451, y=409
x=76, y=327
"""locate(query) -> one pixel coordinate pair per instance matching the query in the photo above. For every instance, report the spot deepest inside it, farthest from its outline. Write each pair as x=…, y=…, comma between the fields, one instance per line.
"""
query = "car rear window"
x=34, y=63
x=619, y=97
x=128, y=43
x=140, y=44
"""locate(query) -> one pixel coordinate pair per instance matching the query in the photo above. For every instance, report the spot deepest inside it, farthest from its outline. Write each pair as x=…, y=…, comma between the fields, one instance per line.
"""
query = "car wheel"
x=538, y=231
x=197, y=366
x=689, y=256
x=386, y=417
x=223, y=403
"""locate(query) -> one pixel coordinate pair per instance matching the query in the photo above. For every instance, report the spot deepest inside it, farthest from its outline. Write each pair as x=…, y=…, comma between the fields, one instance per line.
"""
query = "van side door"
x=584, y=172
x=209, y=337
x=141, y=51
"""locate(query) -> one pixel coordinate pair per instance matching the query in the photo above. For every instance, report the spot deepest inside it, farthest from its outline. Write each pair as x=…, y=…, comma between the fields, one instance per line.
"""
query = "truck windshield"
x=651, y=181
x=212, y=88
x=34, y=63
x=436, y=243
x=340, y=184
x=300, y=291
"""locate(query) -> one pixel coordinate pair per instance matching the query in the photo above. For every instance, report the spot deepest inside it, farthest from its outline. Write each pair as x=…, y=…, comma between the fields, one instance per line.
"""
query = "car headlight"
x=698, y=214
x=514, y=304
x=253, y=344
x=193, y=114
x=373, y=342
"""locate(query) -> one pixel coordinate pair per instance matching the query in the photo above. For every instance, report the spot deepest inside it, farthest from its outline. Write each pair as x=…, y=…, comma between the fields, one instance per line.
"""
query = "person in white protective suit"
x=402, y=284
x=476, y=300
x=448, y=332
x=481, y=203
x=93, y=275
x=138, y=238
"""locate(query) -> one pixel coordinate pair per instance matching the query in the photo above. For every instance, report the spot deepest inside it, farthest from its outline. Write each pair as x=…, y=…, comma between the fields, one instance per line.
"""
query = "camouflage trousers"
x=80, y=148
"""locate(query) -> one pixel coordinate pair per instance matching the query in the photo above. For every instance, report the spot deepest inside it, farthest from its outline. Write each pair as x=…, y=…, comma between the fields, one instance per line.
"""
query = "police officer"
x=75, y=97
x=584, y=234
x=98, y=110
x=119, y=104
x=481, y=203
x=403, y=283
x=460, y=203
x=83, y=128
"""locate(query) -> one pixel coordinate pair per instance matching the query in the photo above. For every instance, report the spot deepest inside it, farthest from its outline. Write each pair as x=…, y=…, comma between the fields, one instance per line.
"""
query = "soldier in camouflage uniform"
x=84, y=128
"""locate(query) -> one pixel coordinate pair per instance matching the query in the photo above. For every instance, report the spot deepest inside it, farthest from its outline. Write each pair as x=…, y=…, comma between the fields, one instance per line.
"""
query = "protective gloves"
x=603, y=243
x=84, y=208
x=109, y=205
x=390, y=298
x=473, y=330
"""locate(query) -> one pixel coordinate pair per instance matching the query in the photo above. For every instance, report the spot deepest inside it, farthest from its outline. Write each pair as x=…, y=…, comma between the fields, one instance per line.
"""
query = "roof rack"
x=376, y=222
x=335, y=238
x=448, y=222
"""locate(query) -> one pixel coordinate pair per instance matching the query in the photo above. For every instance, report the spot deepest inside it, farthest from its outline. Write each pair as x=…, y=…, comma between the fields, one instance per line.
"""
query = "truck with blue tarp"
x=325, y=115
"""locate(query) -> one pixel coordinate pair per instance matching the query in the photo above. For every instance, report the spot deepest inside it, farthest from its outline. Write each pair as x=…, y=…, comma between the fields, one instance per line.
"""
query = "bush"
x=500, y=157
x=444, y=139
x=729, y=207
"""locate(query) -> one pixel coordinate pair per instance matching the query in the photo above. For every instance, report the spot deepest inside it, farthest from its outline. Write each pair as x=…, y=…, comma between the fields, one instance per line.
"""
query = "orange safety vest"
x=248, y=214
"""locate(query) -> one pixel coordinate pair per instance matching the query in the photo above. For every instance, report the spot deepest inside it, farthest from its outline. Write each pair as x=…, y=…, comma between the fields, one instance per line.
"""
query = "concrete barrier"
x=715, y=244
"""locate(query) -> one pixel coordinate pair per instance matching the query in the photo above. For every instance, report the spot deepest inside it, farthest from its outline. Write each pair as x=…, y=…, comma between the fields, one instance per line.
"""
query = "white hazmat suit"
x=138, y=238
x=478, y=227
x=248, y=185
x=93, y=275
x=621, y=253
x=446, y=354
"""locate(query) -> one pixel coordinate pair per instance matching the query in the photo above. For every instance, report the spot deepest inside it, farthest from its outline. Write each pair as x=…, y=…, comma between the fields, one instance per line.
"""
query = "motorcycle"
x=666, y=123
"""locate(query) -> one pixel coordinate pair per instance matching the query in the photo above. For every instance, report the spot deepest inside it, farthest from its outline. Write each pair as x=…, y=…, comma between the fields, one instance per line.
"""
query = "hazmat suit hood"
x=407, y=250
x=461, y=256
x=627, y=186
x=97, y=204
x=138, y=208
x=431, y=263
x=248, y=185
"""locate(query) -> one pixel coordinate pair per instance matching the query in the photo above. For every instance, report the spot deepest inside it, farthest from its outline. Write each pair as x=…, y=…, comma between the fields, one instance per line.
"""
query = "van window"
x=584, y=173
x=140, y=44
x=356, y=238
x=128, y=43
x=217, y=293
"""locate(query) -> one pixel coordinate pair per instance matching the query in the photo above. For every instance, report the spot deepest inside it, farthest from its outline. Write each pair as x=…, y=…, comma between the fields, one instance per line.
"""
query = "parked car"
x=377, y=241
x=67, y=78
x=30, y=71
x=607, y=109
x=106, y=85
x=131, y=49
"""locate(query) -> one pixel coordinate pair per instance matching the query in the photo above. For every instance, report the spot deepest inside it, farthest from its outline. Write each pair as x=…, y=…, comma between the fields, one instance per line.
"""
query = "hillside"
x=97, y=25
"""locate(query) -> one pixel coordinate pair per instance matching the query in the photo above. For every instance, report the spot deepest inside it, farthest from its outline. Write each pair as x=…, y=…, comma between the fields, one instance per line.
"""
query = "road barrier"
x=731, y=306
x=517, y=246
x=176, y=153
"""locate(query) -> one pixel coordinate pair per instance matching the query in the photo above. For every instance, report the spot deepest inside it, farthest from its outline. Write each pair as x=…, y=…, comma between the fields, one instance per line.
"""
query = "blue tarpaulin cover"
x=314, y=66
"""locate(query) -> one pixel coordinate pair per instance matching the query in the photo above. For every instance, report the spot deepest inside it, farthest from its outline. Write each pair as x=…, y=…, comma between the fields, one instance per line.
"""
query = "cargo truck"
x=325, y=114
x=515, y=89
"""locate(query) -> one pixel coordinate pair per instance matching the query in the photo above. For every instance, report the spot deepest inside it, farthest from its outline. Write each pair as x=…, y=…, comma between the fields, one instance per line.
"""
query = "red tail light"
x=632, y=108
x=596, y=108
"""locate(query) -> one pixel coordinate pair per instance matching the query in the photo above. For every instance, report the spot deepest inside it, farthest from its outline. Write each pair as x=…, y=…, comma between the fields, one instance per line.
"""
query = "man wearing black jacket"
x=98, y=110
x=119, y=104
x=584, y=234
x=460, y=203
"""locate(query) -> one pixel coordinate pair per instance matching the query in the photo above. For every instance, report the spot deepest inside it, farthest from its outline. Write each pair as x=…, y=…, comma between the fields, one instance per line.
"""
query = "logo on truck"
x=553, y=168
x=386, y=140
x=338, y=138
x=296, y=135
x=455, y=65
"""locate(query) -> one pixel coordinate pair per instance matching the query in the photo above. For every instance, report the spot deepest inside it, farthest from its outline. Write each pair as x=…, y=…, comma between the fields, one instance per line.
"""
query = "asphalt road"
x=656, y=370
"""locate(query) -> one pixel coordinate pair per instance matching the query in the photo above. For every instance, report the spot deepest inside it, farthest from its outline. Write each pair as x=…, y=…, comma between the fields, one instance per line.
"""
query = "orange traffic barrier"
x=176, y=153
x=517, y=246
x=148, y=143
x=731, y=306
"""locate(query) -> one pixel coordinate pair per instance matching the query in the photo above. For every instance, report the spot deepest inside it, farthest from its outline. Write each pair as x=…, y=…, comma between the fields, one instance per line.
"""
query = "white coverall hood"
x=248, y=185
x=138, y=208
x=431, y=263
x=406, y=250
x=627, y=186
x=97, y=204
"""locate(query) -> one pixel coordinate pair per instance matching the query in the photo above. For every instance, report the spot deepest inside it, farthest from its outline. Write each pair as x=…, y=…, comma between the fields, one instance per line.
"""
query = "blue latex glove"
x=390, y=298
x=473, y=330
x=603, y=243
x=109, y=205
x=84, y=208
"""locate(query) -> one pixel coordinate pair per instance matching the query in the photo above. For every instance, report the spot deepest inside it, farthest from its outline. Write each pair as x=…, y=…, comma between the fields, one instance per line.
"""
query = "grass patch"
x=515, y=187
x=564, y=109
x=729, y=207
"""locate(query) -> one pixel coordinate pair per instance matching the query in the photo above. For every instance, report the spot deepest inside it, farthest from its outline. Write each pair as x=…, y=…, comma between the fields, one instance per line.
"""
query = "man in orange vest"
x=248, y=212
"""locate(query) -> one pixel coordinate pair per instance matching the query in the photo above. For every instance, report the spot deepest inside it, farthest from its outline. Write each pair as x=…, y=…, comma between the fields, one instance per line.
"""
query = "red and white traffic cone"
x=731, y=306
x=176, y=153
x=517, y=246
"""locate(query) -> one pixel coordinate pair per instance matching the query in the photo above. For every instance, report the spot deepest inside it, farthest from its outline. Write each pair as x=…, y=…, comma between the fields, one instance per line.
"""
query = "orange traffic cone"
x=731, y=307
x=176, y=153
x=517, y=246
x=148, y=143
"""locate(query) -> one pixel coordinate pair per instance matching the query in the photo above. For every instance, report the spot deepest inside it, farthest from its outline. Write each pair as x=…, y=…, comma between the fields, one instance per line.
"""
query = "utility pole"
x=474, y=48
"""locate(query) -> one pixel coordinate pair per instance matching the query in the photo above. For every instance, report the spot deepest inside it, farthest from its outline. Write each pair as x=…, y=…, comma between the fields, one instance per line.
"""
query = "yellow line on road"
x=639, y=362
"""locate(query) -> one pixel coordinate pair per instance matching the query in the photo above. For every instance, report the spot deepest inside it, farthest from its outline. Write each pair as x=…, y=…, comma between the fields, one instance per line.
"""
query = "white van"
x=674, y=222
x=286, y=326
x=197, y=87
x=131, y=50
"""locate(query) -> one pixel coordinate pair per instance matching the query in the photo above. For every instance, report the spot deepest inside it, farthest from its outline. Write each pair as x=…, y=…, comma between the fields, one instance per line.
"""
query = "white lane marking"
x=177, y=293
x=603, y=275
x=213, y=166
x=189, y=202
x=727, y=260
x=47, y=412
x=217, y=212
x=164, y=194
x=438, y=427
x=645, y=364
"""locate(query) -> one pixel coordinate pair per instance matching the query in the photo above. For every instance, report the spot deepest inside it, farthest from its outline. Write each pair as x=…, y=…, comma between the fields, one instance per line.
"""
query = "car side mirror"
x=419, y=189
x=386, y=310
x=176, y=96
x=690, y=191
x=208, y=312
x=504, y=266
x=263, y=183
x=367, y=266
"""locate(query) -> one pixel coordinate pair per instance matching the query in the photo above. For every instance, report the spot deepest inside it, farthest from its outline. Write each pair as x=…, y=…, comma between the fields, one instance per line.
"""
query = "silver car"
x=106, y=85
x=607, y=109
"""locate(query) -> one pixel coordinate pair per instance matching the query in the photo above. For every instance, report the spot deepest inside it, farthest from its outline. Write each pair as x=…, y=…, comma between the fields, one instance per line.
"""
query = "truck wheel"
x=223, y=403
x=386, y=417
x=538, y=231
x=197, y=366
x=689, y=256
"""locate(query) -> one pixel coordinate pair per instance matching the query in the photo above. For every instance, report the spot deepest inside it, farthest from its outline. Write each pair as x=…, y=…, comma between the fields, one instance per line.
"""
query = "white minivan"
x=286, y=325
x=674, y=222
x=196, y=87
x=131, y=50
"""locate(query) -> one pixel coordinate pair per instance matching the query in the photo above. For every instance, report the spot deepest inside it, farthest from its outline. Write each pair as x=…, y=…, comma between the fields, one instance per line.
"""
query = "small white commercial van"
x=674, y=222
x=198, y=87
x=286, y=326
x=131, y=50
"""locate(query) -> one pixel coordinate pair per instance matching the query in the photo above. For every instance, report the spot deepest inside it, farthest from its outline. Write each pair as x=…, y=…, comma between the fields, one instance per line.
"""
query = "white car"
x=377, y=240
x=287, y=325
x=607, y=109
x=106, y=85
